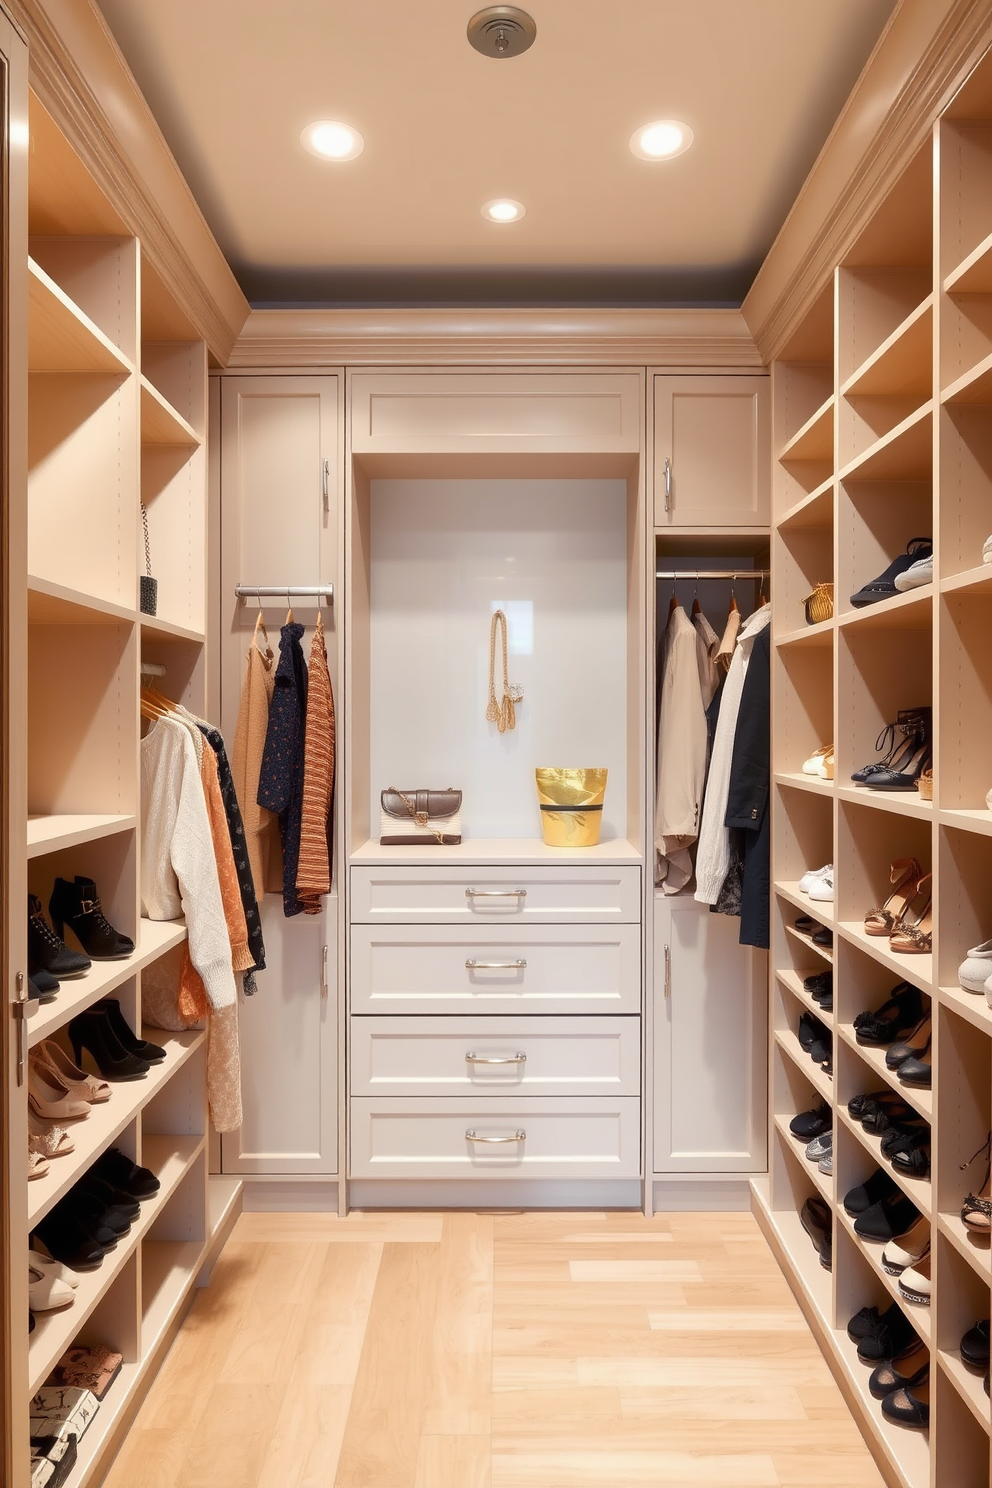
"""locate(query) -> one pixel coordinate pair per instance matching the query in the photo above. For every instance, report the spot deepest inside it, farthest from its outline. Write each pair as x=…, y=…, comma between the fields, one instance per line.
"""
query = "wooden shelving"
x=61, y=338
x=903, y=364
x=161, y=423
x=814, y=441
x=904, y=453
x=155, y=937
x=50, y=834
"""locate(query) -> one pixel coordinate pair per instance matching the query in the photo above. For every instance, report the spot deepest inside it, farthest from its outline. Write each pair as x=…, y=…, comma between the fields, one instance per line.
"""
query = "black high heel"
x=909, y=722
x=46, y=952
x=78, y=904
x=92, y=1031
x=125, y=1035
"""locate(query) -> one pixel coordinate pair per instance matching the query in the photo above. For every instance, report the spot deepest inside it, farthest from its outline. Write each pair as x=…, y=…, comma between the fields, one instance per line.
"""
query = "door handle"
x=668, y=971
x=323, y=974
x=495, y=893
x=668, y=484
x=325, y=474
x=518, y=1136
x=495, y=965
x=20, y=1011
x=496, y=1059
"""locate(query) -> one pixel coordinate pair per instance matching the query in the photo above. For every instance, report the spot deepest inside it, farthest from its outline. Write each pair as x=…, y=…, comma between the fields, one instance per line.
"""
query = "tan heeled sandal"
x=78, y=1083
x=47, y=1138
x=48, y=1097
x=905, y=875
x=913, y=936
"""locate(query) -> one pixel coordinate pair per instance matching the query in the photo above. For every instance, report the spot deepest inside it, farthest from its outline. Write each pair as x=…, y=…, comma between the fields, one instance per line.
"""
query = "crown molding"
x=921, y=59
x=80, y=76
x=447, y=337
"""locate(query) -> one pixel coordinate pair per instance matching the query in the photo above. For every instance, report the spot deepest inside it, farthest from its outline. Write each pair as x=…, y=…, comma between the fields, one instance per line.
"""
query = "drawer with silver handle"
x=495, y=1056
x=493, y=1137
x=499, y=969
x=494, y=895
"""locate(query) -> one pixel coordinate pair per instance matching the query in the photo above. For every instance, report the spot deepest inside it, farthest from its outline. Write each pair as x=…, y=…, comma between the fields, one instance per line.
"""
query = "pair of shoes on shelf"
x=820, y=987
x=816, y=1040
x=812, y=1123
x=97, y=1212
x=104, y=1032
x=910, y=1057
x=76, y=904
x=907, y=1250
x=897, y=1016
x=881, y=1335
x=907, y=1146
x=818, y=883
x=905, y=917
x=919, y=553
x=902, y=1384
x=46, y=1291
x=976, y=1211
x=886, y=1218
x=817, y=1221
x=975, y=1345
x=902, y=760
x=975, y=971
x=817, y=933
x=820, y=763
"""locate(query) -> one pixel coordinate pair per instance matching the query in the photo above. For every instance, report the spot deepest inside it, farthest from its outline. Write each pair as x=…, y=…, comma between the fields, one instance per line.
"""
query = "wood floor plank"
x=454, y=1462
x=639, y=1270
x=743, y=1403
x=722, y=1320
x=566, y=1469
x=460, y=1383
x=329, y=1229
x=242, y=1419
x=305, y=1446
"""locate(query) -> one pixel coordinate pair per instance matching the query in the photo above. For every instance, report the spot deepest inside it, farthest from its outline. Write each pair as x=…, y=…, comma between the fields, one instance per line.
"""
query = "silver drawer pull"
x=495, y=965
x=495, y=893
x=518, y=1136
x=498, y=1059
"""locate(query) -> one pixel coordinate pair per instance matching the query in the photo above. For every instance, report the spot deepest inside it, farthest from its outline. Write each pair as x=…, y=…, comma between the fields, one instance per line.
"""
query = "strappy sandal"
x=913, y=936
x=897, y=1017
x=976, y=1211
x=905, y=875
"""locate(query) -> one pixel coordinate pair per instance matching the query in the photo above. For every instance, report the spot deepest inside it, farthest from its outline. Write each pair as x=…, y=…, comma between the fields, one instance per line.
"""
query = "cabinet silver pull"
x=668, y=971
x=668, y=484
x=496, y=1059
x=323, y=973
x=518, y=1136
x=325, y=484
x=495, y=965
x=20, y=1014
x=495, y=893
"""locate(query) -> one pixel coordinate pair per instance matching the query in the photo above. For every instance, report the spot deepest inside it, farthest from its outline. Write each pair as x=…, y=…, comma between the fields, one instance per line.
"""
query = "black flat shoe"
x=913, y=1046
x=92, y=1031
x=880, y=1185
x=891, y=1337
x=909, y=1406
x=821, y=981
x=805, y=925
x=884, y=587
x=887, y=1219
x=117, y=1169
x=869, y=1322
x=77, y=905
x=897, y=1017
x=823, y=938
x=46, y=952
x=975, y=1345
x=912, y=1157
x=105, y=1224
x=817, y=1221
x=68, y=1240
x=113, y=1198
x=911, y=1367
x=125, y=1034
x=917, y=1072
x=810, y=1124
x=899, y=1136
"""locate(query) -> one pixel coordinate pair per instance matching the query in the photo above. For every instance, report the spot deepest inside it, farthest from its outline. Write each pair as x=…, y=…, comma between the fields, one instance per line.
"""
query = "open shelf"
x=791, y=1046
x=918, y=1313
x=904, y=453
x=169, y=1268
x=969, y=1385
x=155, y=937
x=154, y=629
x=971, y=581
x=903, y=364
x=973, y=386
x=821, y=951
x=910, y=611
x=917, y=1189
x=824, y=913
x=915, y=969
x=814, y=510
x=515, y=850
x=793, y=982
x=901, y=803
x=789, y=1142
x=796, y=780
x=51, y=834
x=55, y=604
x=971, y=1006
x=974, y=1250
x=920, y=1100
x=973, y=275
x=815, y=440
x=161, y=423
x=810, y=636
x=61, y=338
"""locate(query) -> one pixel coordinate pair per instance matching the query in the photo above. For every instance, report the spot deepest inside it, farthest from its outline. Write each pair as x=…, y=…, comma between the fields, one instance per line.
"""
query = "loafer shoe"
x=884, y=1221
x=820, y=1147
x=810, y=1124
x=976, y=968
x=880, y=1185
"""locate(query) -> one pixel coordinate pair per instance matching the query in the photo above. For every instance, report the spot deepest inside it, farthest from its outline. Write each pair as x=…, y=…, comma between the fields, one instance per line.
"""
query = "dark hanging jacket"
x=280, y=783
x=747, y=802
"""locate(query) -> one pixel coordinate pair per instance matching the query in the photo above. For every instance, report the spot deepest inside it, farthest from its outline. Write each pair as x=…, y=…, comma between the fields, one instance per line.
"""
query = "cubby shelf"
x=973, y=386
x=168, y=1269
x=155, y=937
x=969, y=1385
x=55, y=604
x=815, y=440
x=971, y=581
x=797, y=1149
x=61, y=338
x=51, y=834
x=900, y=803
x=161, y=423
x=821, y=634
x=171, y=1158
x=903, y=364
x=911, y=611
x=793, y=982
x=796, y=780
x=973, y=275
x=917, y=1189
x=814, y=510
x=971, y=1006
x=979, y=820
x=791, y=1046
x=904, y=453
x=821, y=951
x=917, y=1312
x=974, y=1250
x=104, y=1425
x=152, y=628
x=920, y=1100
x=915, y=969
x=106, y=1122
x=824, y=913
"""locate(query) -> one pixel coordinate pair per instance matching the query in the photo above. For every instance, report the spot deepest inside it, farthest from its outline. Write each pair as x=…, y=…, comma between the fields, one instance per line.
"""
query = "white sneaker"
x=987, y=551
x=813, y=875
x=976, y=968
x=918, y=573
x=822, y=889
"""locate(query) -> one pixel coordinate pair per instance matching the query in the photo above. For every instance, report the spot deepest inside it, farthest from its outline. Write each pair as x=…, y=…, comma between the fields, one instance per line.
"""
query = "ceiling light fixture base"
x=502, y=31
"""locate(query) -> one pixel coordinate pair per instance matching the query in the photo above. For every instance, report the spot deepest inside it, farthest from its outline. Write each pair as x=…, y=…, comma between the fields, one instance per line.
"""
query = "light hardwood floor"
x=479, y=1351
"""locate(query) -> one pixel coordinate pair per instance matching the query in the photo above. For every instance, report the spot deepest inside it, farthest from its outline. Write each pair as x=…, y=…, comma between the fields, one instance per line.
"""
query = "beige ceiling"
x=233, y=82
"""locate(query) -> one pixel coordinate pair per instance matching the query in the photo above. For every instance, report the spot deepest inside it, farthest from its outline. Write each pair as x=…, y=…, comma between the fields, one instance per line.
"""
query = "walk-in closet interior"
x=496, y=744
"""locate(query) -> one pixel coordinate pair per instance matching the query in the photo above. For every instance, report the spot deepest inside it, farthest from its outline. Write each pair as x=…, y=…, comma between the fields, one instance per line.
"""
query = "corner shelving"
x=161, y=423
x=61, y=338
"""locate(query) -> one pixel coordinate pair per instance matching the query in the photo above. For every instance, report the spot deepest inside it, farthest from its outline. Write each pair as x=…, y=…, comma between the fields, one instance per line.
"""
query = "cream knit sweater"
x=178, y=866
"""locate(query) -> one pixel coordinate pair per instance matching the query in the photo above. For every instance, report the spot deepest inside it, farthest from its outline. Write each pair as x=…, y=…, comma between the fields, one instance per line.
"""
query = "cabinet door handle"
x=668, y=484
x=495, y=965
x=668, y=971
x=20, y=1008
x=325, y=475
x=517, y=1136
x=495, y=893
x=323, y=973
x=496, y=1059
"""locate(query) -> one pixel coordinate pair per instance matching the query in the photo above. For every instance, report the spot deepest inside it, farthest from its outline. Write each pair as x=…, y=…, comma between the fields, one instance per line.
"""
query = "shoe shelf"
x=920, y=1100
x=973, y=275
x=171, y=1158
x=806, y=940
x=50, y=834
x=821, y=634
x=917, y=1312
x=900, y=803
x=912, y=611
x=793, y=982
x=790, y=1046
x=161, y=423
x=917, y=1189
x=902, y=365
x=904, y=453
x=908, y=1452
x=968, y=1005
x=969, y=1385
x=154, y=629
x=972, y=581
x=815, y=510
x=822, y=1181
x=796, y=780
x=915, y=969
x=814, y=908
x=784, y=1230
x=61, y=337
x=972, y=1247
x=154, y=938
x=815, y=440
x=105, y=1122
x=973, y=386
x=50, y=603
x=168, y=1269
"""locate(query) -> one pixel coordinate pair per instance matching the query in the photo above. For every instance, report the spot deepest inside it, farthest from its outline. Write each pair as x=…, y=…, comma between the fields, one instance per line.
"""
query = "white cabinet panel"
x=568, y=895
x=506, y=1056
x=289, y=1052
x=710, y=1055
x=491, y=1137
x=715, y=435
x=567, y=968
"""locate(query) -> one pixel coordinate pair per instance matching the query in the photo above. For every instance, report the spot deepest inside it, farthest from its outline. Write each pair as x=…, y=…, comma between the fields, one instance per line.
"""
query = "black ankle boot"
x=78, y=905
x=125, y=1035
x=92, y=1031
x=46, y=951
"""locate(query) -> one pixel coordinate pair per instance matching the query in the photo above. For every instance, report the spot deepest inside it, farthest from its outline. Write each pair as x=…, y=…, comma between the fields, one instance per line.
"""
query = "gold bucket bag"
x=571, y=806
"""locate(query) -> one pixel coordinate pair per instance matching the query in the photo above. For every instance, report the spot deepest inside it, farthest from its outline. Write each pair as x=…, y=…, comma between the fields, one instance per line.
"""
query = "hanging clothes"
x=261, y=826
x=313, y=875
x=707, y=645
x=728, y=641
x=713, y=853
x=280, y=785
x=681, y=755
x=748, y=792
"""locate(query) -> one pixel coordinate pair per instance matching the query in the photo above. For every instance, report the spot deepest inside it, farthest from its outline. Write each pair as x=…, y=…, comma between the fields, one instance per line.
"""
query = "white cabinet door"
x=710, y=1057
x=712, y=451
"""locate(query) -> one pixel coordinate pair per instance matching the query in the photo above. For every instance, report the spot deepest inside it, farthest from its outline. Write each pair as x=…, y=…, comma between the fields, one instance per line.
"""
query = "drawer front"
x=562, y=969
x=492, y=896
x=553, y=1137
x=495, y=1056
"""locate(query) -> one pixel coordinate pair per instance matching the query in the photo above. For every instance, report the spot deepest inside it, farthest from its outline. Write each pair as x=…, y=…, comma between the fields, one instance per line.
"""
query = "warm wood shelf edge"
x=977, y=579
x=956, y=282
x=796, y=780
x=919, y=416
x=810, y=635
x=921, y=1100
x=501, y=851
x=968, y=1384
x=822, y=912
x=791, y=517
x=792, y=981
x=957, y=1233
x=68, y=341
x=161, y=423
x=871, y=1252
x=971, y=1006
x=805, y=435
x=794, y=1051
x=976, y=820
x=877, y=616
x=55, y=604
x=913, y=323
x=797, y=1150
x=980, y=373
x=153, y=626
x=48, y=834
x=899, y=803
x=905, y=968
x=821, y=951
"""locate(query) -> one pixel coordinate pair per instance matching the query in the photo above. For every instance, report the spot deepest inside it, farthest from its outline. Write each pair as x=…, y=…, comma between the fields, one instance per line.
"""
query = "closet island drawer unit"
x=497, y=969
x=495, y=1056
x=493, y=1137
x=493, y=895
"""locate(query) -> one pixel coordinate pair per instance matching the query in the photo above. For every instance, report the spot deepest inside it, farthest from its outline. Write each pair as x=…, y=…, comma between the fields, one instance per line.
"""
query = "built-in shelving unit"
x=899, y=348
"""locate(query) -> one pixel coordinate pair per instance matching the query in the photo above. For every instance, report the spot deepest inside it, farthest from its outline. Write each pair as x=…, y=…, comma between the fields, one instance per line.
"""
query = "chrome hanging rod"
x=713, y=573
x=294, y=591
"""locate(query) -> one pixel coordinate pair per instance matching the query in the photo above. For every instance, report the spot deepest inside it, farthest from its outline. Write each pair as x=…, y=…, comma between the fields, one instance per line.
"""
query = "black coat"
x=747, y=802
x=280, y=783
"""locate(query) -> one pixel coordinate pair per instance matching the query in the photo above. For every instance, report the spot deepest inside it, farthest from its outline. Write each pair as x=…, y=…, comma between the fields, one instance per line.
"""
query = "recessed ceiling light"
x=330, y=140
x=661, y=140
x=503, y=209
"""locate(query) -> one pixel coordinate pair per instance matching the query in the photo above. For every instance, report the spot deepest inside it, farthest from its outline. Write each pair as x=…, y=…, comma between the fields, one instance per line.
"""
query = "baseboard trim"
x=703, y=1194
x=290, y=1195
x=513, y=1193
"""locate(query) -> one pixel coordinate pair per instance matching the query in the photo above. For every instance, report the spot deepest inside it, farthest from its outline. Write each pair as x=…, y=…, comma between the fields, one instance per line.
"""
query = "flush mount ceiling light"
x=663, y=139
x=503, y=209
x=501, y=31
x=328, y=139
